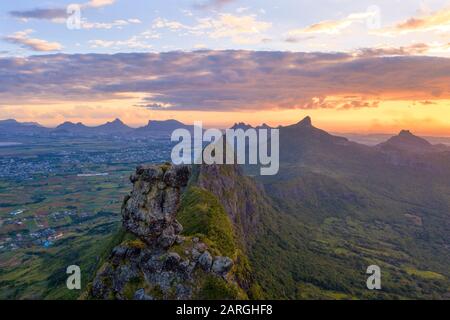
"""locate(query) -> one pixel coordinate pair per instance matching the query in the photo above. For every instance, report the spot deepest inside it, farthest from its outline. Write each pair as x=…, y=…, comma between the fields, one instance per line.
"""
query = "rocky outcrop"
x=156, y=262
x=150, y=211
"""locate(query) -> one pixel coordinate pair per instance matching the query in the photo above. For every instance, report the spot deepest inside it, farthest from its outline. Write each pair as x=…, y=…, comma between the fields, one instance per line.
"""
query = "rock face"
x=150, y=211
x=159, y=263
x=242, y=200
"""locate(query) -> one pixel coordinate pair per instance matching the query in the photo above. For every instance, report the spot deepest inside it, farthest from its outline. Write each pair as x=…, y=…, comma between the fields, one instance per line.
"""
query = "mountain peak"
x=241, y=125
x=407, y=141
x=9, y=121
x=163, y=125
x=405, y=133
x=306, y=122
x=116, y=122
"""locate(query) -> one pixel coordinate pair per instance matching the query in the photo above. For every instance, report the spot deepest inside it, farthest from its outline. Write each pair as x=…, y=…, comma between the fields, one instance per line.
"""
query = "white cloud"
x=228, y=25
x=139, y=41
x=242, y=9
x=241, y=29
x=162, y=23
x=132, y=43
x=109, y=25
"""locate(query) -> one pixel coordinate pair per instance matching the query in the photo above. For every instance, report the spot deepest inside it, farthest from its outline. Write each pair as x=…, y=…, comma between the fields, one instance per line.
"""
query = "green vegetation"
x=214, y=288
x=425, y=274
x=202, y=214
x=132, y=286
x=89, y=233
x=326, y=228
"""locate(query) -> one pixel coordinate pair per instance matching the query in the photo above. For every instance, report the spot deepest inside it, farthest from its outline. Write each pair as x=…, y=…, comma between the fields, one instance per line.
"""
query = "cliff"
x=180, y=241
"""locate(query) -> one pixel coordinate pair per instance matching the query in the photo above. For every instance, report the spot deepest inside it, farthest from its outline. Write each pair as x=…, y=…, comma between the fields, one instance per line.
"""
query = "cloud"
x=139, y=41
x=43, y=14
x=225, y=80
x=162, y=23
x=340, y=103
x=241, y=29
x=437, y=21
x=56, y=14
x=109, y=25
x=99, y=3
x=231, y=26
x=213, y=4
x=414, y=49
x=334, y=26
x=22, y=38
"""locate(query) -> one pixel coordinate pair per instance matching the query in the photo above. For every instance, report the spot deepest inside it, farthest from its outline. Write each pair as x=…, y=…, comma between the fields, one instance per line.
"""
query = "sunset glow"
x=365, y=69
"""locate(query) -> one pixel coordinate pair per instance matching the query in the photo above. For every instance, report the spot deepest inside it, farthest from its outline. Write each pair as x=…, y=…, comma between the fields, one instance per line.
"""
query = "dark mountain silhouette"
x=166, y=125
x=245, y=126
x=114, y=127
x=241, y=125
x=12, y=127
x=73, y=128
x=408, y=142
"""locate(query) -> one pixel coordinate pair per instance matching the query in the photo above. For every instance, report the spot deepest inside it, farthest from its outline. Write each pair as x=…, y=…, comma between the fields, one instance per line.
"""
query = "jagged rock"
x=167, y=238
x=222, y=265
x=140, y=295
x=205, y=261
x=201, y=247
x=195, y=254
x=149, y=212
x=179, y=240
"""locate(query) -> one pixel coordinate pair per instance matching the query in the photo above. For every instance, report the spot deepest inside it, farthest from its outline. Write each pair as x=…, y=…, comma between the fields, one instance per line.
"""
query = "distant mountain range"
x=404, y=142
x=116, y=127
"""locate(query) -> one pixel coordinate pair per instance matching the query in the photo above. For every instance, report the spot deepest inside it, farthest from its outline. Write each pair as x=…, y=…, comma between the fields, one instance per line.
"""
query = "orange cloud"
x=334, y=26
x=437, y=21
x=225, y=80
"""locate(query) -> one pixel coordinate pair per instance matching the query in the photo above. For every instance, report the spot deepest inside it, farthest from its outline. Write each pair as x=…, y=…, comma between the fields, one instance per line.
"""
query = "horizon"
x=240, y=122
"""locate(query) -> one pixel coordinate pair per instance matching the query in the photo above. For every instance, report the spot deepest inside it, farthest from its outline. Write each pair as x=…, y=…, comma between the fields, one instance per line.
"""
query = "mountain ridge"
x=117, y=126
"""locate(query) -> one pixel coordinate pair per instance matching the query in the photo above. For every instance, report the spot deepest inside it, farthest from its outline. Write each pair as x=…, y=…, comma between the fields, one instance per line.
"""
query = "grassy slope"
x=332, y=226
x=202, y=215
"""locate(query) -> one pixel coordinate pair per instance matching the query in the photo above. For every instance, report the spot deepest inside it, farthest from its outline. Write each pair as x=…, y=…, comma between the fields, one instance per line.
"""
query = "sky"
x=353, y=65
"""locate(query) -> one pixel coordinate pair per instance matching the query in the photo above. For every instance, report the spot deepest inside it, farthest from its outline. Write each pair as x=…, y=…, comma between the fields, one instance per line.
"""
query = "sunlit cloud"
x=226, y=80
x=334, y=26
x=436, y=21
x=99, y=3
x=413, y=49
x=23, y=39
